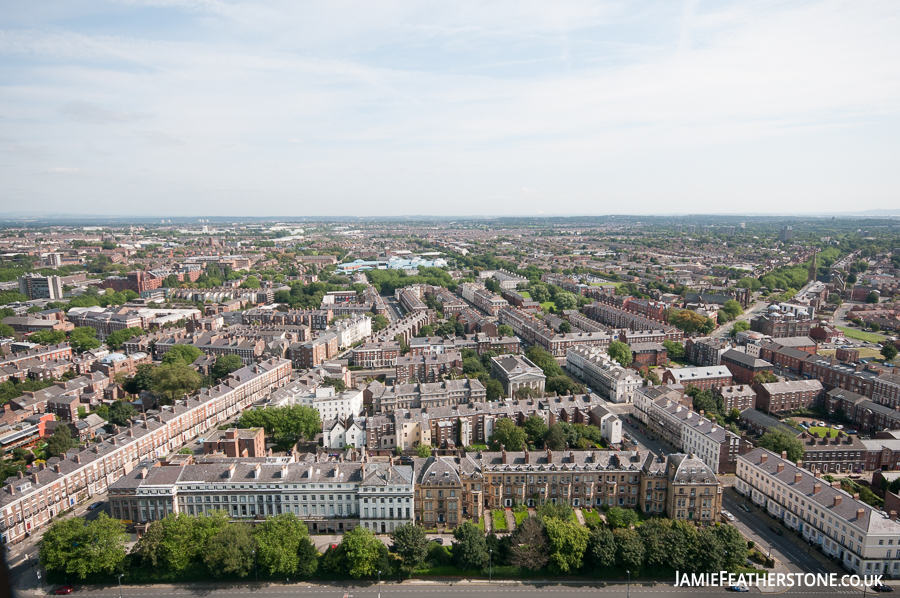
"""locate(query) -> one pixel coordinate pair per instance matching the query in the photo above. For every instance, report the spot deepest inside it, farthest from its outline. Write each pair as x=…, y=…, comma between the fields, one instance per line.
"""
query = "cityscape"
x=389, y=300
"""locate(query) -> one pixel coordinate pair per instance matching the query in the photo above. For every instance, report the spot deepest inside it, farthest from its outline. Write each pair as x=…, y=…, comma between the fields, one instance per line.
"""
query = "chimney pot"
x=817, y=488
x=780, y=467
x=763, y=458
x=860, y=513
x=837, y=500
x=797, y=477
x=784, y=455
x=893, y=515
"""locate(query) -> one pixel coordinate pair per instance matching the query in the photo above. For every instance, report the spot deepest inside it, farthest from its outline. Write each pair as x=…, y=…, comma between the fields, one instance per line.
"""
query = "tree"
x=493, y=389
x=562, y=385
x=535, y=428
x=731, y=309
x=79, y=548
x=142, y=379
x=505, y=330
x=555, y=438
x=568, y=542
x=284, y=547
x=508, y=434
x=653, y=534
x=674, y=350
x=835, y=299
x=119, y=337
x=181, y=354
x=565, y=300
x=338, y=384
x=48, y=337
x=83, y=339
x=60, y=442
x=872, y=297
x=225, y=364
x=710, y=552
x=251, y=282
x=565, y=327
x=411, y=546
x=539, y=292
x=230, y=551
x=175, y=379
x=602, y=547
x=889, y=352
x=560, y=511
x=681, y=545
x=469, y=547
x=740, y=326
x=764, y=377
x=379, y=323
x=779, y=440
x=472, y=365
x=617, y=517
x=530, y=545
x=733, y=545
x=629, y=549
x=423, y=451
x=7, y=331
x=120, y=413
x=362, y=552
x=690, y=321
x=620, y=352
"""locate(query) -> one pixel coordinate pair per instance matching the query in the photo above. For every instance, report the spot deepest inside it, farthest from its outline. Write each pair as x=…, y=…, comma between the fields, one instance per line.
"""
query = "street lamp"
x=490, y=564
x=379, y=577
x=121, y=575
x=255, y=565
x=628, y=595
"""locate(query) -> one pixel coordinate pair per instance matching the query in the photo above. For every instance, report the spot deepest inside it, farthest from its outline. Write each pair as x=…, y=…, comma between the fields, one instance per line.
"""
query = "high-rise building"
x=786, y=234
x=35, y=286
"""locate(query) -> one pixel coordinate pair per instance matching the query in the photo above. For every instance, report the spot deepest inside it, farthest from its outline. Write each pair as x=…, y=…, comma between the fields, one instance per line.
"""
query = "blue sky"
x=208, y=107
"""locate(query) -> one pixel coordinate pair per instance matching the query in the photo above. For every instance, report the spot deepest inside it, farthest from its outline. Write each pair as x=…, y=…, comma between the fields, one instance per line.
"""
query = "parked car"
x=95, y=505
x=839, y=427
x=776, y=530
x=437, y=540
x=64, y=590
x=852, y=432
x=628, y=420
x=882, y=588
x=745, y=507
x=823, y=424
x=727, y=515
x=651, y=437
x=738, y=588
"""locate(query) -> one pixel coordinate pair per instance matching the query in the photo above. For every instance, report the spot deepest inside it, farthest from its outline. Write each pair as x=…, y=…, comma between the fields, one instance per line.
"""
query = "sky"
x=296, y=108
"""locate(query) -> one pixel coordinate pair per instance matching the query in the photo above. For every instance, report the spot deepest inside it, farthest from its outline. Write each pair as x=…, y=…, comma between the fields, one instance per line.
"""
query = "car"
x=738, y=588
x=95, y=505
x=745, y=507
x=839, y=427
x=651, y=438
x=776, y=530
x=437, y=540
x=882, y=588
x=727, y=515
x=852, y=432
x=64, y=590
x=823, y=424
x=628, y=420
x=634, y=426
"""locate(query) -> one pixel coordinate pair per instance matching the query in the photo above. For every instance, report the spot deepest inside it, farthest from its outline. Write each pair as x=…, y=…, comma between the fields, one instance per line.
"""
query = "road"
x=442, y=590
x=751, y=311
x=394, y=310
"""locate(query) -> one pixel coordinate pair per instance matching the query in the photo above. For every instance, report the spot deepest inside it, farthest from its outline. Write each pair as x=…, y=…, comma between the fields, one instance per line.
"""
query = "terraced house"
x=861, y=538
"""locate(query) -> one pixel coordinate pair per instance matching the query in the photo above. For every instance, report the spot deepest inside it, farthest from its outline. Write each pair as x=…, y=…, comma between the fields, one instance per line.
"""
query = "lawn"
x=525, y=294
x=864, y=352
x=498, y=516
x=591, y=517
x=832, y=433
x=546, y=305
x=520, y=517
x=861, y=335
x=600, y=284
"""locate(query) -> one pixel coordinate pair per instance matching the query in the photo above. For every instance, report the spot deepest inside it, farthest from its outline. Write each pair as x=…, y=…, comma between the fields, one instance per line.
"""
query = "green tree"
x=535, y=429
x=765, y=377
x=562, y=385
x=731, y=309
x=362, y=552
x=779, y=440
x=740, y=326
x=617, y=517
x=59, y=442
x=568, y=543
x=710, y=552
x=181, y=354
x=555, y=438
x=284, y=547
x=530, y=545
x=411, y=546
x=142, y=379
x=653, y=534
x=560, y=511
x=120, y=412
x=379, y=323
x=175, y=379
x=620, y=352
x=225, y=364
x=472, y=366
x=873, y=297
x=119, y=337
x=681, y=545
x=423, y=451
x=508, y=434
x=602, y=547
x=565, y=327
x=493, y=389
x=83, y=339
x=629, y=549
x=888, y=351
x=675, y=350
x=230, y=551
x=469, y=547
x=565, y=300
x=48, y=337
x=7, y=331
x=733, y=545
x=251, y=282
x=80, y=548
x=505, y=330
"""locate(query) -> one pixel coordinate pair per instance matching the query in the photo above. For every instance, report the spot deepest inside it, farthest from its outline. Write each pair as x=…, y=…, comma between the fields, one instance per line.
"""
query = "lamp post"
x=628, y=594
x=379, y=577
x=255, y=566
x=121, y=575
x=490, y=564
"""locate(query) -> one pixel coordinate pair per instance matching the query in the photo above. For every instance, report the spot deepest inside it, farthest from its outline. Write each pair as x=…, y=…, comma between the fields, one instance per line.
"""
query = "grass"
x=591, y=517
x=599, y=284
x=480, y=524
x=498, y=516
x=520, y=517
x=546, y=305
x=832, y=433
x=861, y=335
x=863, y=352
x=525, y=294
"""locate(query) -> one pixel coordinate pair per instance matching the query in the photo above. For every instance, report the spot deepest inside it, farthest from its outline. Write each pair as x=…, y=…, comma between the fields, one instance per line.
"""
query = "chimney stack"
x=256, y=471
x=763, y=458
x=817, y=488
x=860, y=513
x=780, y=467
x=784, y=455
x=838, y=499
x=797, y=477
x=893, y=515
x=503, y=455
